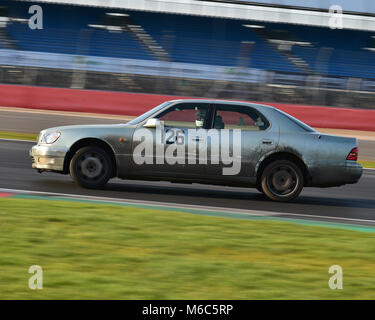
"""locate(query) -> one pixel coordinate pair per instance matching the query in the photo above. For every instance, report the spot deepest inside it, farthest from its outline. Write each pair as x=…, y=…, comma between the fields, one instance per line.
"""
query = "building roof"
x=231, y=11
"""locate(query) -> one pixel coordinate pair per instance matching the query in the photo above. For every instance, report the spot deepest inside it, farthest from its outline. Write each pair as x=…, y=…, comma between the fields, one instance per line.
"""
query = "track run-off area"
x=347, y=205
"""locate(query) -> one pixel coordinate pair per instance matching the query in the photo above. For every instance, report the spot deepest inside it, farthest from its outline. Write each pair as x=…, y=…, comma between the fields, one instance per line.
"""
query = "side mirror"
x=152, y=123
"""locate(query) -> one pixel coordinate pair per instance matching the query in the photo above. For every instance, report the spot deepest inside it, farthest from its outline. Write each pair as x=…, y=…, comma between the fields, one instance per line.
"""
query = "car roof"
x=210, y=101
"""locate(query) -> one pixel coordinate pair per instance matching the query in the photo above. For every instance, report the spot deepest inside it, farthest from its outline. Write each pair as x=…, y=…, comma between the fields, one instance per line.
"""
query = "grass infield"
x=98, y=251
x=368, y=164
x=18, y=136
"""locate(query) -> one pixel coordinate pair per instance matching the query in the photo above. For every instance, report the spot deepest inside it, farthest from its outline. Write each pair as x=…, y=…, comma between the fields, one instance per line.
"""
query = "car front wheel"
x=282, y=180
x=91, y=167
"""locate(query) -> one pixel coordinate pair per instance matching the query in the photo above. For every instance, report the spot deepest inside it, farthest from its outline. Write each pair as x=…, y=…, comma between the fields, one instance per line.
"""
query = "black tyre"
x=91, y=167
x=282, y=180
x=259, y=187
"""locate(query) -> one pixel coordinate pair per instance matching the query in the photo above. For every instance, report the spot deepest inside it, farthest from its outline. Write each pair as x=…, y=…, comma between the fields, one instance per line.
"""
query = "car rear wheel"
x=91, y=167
x=259, y=187
x=282, y=180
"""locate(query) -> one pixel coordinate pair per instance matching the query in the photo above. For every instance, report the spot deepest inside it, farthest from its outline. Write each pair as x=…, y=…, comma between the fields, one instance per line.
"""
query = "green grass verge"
x=367, y=164
x=18, y=135
x=91, y=251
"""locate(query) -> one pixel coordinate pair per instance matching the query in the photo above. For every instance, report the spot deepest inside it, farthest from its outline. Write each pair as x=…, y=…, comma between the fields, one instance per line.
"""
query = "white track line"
x=17, y=140
x=140, y=202
x=67, y=113
x=186, y=206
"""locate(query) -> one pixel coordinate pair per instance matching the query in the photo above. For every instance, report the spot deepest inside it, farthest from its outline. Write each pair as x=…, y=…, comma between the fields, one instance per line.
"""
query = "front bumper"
x=48, y=157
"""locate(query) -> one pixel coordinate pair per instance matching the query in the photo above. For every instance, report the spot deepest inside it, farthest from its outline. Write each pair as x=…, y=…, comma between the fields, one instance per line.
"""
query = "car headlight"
x=50, y=137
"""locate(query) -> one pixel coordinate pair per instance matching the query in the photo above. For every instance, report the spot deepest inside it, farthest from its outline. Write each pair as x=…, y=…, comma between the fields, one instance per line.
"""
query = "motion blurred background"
x=105, y=61
x=268, y=51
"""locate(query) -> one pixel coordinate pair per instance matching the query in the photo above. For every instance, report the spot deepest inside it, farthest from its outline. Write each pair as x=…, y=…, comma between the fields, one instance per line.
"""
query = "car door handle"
x=267, y=141
x=169, y=142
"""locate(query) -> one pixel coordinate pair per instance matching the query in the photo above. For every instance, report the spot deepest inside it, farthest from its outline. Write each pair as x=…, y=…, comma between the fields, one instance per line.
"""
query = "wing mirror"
x=152, y=123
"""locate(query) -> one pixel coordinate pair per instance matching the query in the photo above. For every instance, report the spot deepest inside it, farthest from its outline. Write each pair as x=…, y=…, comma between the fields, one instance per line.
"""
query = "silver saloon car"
x=203, y=141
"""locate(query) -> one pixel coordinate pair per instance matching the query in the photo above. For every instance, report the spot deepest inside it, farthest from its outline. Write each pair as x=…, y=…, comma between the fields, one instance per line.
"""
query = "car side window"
x=239, y=117
x=185, y=115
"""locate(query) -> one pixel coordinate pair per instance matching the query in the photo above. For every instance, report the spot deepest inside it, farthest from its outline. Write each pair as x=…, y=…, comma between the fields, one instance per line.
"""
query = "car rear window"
x=299, y=123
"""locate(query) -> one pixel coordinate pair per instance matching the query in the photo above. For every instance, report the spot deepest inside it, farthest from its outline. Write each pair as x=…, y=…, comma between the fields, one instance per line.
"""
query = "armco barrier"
x=133, y=104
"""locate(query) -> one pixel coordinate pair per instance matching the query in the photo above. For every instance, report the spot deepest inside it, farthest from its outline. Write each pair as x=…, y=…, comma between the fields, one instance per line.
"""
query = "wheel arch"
x=283, y=155
x=86, y=142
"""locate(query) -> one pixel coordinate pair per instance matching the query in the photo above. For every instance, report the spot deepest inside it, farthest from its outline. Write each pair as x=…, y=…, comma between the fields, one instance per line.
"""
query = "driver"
x=201, y=114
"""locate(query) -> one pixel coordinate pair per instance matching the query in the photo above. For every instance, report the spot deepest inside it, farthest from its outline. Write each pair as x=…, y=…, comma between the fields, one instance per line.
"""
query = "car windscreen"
x=148, y=113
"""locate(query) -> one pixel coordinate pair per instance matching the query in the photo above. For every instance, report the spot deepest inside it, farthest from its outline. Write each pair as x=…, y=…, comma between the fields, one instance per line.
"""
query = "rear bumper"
x=47, y=157
x=335, y=174
x=353, y=172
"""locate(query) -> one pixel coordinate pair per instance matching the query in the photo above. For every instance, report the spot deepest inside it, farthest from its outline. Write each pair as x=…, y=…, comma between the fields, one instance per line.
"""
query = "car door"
x=245, y=135
x=174, y=154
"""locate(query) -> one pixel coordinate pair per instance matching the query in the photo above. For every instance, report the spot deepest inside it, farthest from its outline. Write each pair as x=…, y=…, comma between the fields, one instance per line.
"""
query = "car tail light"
x=353, y=155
